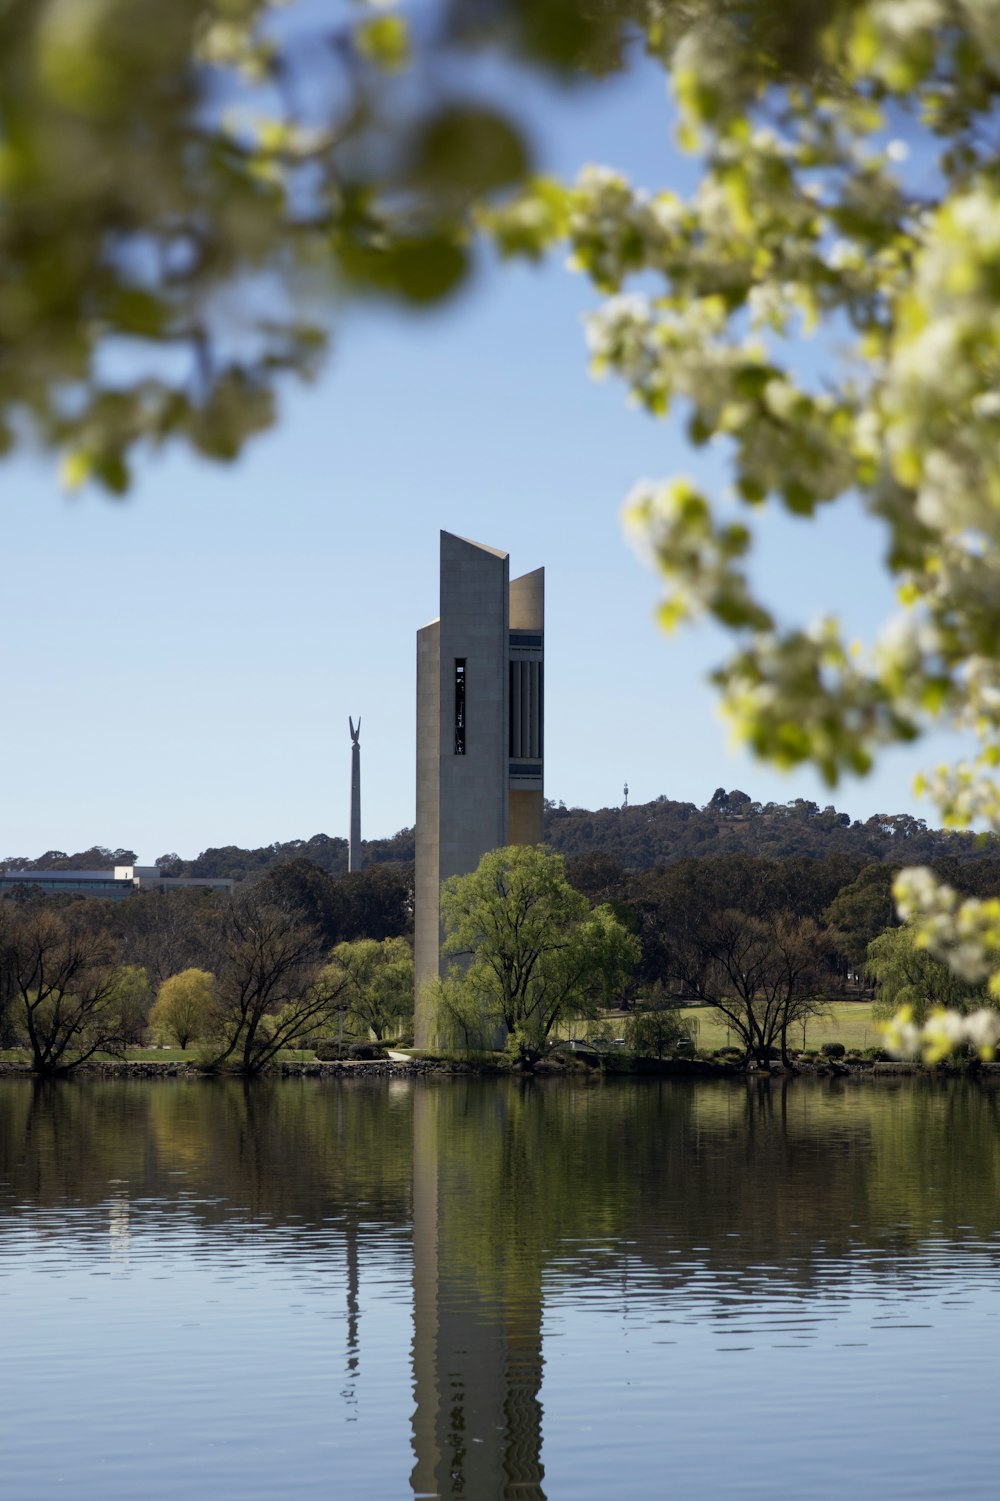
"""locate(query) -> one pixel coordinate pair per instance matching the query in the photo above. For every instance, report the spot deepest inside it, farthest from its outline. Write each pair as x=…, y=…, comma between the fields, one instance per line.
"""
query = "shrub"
x=833, y=1050
x=654, y=1033
x=365, y=1050
x=617, y=1061
x=329, y=1050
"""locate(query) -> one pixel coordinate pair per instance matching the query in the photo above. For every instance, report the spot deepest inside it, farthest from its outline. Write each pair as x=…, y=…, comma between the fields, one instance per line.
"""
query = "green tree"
x=378, y=995
x=185, y=1009
x=303, y=887
x=598, y=875
x=375, y=903
x=906, y=974
x=860, y=911
x=656, y=1027
x=530, y=949
x=808, y=215
x=131, y=997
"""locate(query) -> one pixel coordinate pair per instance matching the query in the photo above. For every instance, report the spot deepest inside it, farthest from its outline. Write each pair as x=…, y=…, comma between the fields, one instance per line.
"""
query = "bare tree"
x=167, y=932
x=759, y=974
x=800, y=951
x=272, y=987
x=63, y=982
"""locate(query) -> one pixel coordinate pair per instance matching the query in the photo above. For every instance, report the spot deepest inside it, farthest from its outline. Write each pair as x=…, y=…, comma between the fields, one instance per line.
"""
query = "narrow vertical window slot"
x=460, y=706
x=515, y=708
x=541, y=708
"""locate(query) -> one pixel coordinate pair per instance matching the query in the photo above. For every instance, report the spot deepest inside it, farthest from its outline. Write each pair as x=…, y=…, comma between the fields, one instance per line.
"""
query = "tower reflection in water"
x=477, y=1340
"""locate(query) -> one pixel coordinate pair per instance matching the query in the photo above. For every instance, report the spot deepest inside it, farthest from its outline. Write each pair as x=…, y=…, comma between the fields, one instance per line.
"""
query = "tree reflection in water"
x=495, y=1192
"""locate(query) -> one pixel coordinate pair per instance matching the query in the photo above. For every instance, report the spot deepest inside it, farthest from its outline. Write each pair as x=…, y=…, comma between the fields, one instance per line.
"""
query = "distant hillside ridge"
x=653, y=834
x=641, y=837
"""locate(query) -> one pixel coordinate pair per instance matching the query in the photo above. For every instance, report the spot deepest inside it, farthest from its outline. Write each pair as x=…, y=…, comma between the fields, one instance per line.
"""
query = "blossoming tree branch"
x=850, y=180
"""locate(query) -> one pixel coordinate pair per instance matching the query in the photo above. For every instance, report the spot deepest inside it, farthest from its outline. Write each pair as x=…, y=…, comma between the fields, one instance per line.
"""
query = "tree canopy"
x=530, y=949
x=184, y=1009
x=905, y=974
x=378, y=997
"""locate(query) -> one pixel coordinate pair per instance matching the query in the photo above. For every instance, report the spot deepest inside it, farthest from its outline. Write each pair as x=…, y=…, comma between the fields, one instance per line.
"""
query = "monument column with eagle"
x=354, y=848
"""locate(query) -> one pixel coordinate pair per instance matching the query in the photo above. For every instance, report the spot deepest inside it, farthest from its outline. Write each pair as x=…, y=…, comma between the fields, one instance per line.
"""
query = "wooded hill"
x=642, y=837
x=653, y=834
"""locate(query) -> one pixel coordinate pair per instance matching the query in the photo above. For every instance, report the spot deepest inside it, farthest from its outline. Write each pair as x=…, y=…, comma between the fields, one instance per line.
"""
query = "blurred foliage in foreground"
x=185, y=188
x=849, y=187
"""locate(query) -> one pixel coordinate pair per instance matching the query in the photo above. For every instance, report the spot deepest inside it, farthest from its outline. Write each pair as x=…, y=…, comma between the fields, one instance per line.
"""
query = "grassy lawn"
x=849, y=1022
x=163, y=1055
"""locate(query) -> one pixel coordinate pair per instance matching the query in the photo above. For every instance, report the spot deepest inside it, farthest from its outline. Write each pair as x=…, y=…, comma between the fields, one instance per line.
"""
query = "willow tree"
x=849, y=183
x=185, y=1007
x=378, y=994
x=527, y=951
x=906, y=975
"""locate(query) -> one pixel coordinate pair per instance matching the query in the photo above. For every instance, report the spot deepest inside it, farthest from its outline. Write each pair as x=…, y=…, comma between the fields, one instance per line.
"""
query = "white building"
x=113, y=884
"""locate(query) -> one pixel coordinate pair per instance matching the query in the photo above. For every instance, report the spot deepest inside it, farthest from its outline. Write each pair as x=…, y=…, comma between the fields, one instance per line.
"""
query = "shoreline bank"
x=667, y=1068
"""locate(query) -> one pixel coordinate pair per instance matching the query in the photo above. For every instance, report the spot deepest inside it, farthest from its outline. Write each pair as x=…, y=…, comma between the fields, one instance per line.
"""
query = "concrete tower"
x=480, y=722
x=354, y=848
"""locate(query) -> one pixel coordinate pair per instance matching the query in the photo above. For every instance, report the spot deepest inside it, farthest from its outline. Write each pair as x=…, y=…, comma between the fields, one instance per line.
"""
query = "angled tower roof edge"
x=527, y=601
x=497, y=552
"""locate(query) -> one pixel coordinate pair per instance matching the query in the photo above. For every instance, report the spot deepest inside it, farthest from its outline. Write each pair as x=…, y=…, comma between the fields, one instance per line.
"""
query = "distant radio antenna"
x=625, y=803
x=354, y=847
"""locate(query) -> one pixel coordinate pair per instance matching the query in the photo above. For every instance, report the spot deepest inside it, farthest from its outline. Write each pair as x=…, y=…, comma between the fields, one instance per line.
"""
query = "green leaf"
x=469, y=149
x=798, y=498
x=699, y=430
x=751, y=489
x=425, y=270
x=139, y=313
x=113, y=473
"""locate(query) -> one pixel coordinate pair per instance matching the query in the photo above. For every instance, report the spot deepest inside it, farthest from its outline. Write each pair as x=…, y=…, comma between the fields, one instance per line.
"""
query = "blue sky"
x=180, y=666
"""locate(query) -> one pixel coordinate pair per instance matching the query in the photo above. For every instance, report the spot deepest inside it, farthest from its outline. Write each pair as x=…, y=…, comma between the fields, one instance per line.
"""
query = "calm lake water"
x=388, y=1289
